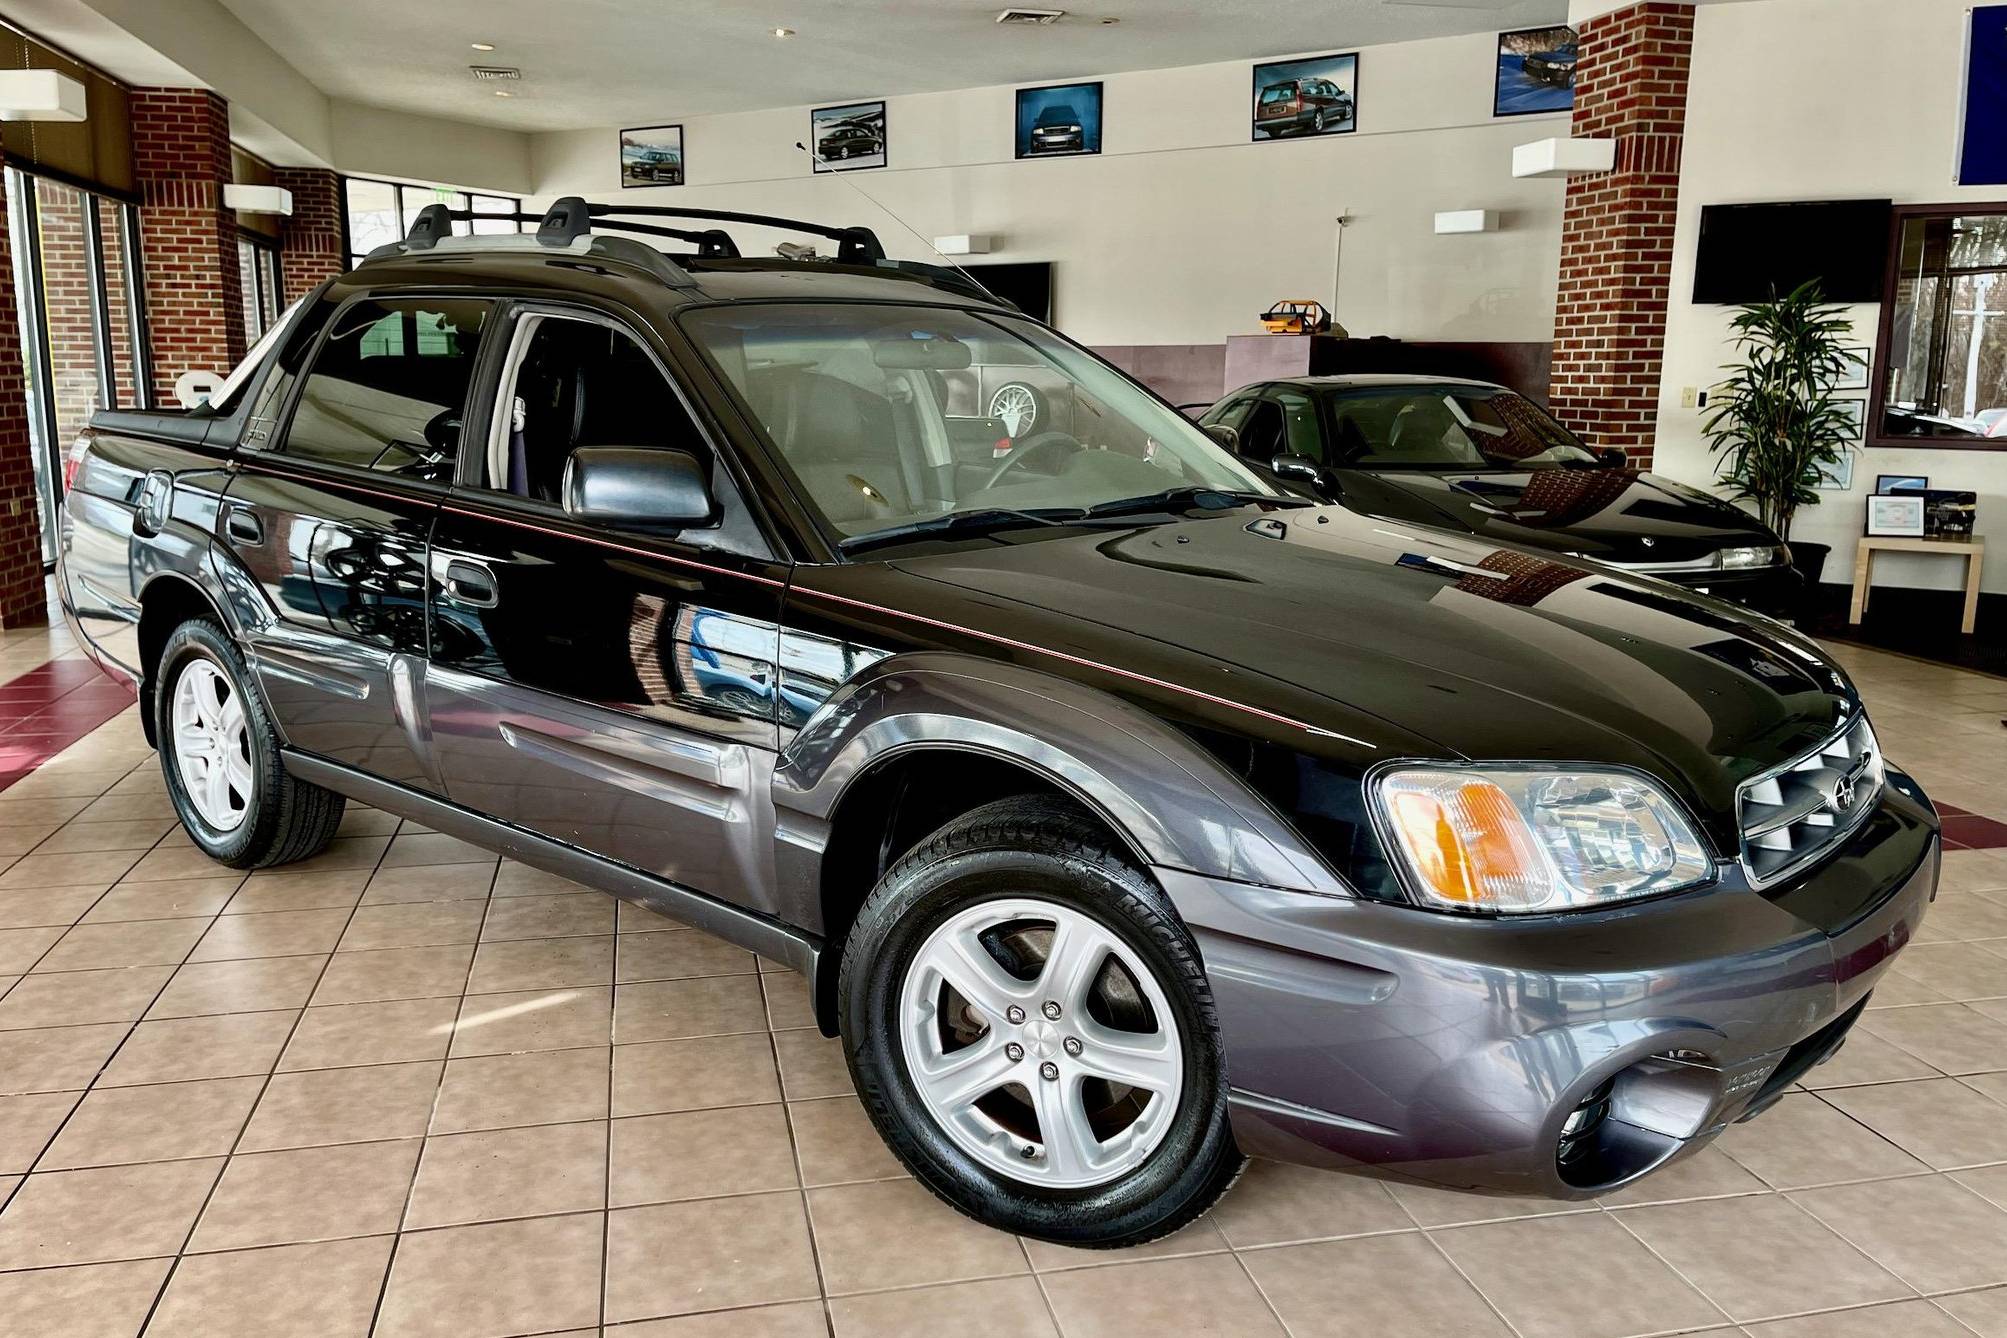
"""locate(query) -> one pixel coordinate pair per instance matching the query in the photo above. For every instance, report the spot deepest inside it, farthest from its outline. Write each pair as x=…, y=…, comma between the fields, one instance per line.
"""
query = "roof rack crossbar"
x=712, y=243
x=856, y=245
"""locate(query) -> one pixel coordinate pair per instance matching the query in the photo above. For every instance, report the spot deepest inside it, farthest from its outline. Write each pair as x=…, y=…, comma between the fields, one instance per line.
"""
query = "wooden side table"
x=1973, y=550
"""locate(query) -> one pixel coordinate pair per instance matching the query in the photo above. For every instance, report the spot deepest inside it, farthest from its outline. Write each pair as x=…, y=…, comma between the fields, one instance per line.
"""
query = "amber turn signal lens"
x=1468, y=842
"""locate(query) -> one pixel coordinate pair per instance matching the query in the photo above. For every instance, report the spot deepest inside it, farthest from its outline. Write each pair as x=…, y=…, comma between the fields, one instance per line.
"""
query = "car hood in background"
x=1387, y=640
x=1617, y=515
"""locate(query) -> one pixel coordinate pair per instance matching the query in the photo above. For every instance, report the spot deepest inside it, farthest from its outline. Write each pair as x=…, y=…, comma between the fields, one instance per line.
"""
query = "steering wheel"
x=1035, y=444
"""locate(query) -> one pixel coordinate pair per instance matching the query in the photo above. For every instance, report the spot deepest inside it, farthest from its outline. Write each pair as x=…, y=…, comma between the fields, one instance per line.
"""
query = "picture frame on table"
x=1896, y=515
x=1902, y=483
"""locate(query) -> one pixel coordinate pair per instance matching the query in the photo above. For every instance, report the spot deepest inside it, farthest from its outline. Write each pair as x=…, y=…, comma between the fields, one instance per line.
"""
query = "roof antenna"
x=923, y=240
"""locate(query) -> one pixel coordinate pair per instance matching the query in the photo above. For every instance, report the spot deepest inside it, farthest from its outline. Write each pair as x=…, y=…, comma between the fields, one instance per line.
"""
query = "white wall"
x=1811, y=100
x=1181, y=230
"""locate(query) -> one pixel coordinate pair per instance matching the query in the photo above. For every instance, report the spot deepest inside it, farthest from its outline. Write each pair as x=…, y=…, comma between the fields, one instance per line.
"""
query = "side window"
x=579, y=383
x=263, y=420
x=389, y=387
x=1261, y=436
x=1301, y=435
x=1232, y=414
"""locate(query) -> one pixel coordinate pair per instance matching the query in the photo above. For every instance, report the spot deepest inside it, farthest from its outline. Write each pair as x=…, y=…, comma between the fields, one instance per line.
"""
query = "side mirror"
x=1614, y=457
x=1225, y=436
x=1298, y=469
x=637, y=488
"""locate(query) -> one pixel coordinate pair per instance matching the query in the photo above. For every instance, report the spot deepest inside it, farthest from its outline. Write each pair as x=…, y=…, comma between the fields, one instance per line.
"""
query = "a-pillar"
x=194, y=289
x=1617, y=229
x=311, y=246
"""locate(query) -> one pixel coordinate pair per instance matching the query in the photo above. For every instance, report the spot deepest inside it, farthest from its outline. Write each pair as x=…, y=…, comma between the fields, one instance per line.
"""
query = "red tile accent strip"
x=49, y=708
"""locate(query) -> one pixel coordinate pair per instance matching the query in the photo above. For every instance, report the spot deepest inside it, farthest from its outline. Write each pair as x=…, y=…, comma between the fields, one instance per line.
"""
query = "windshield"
x=1058, y=115
x=1454, y=427
x=890, y=416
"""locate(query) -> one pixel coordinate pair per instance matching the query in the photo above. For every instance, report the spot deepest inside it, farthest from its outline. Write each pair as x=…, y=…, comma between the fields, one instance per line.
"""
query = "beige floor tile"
x=20, y=949
x=788, y=1004
x=184, y=898
x=538, y=1087
x=74, y=998
x=380, y=974
x=520, y=880
x=1961, y=917
x=557, y=916
x=998, y=1308
x=164, y=1122
x=1803, y=1141
x=1398, y=1284
x=811, y=1065
x=1207, y=1295
x=328, y=1290
x=432, y=848
x=90, y=1301
x=1532, y=1270
x=1431, y=1206
x=500, y=1278
x=707, y=1254
x=674, y=1010
x=371, y=1033
x=90, y=947
x=56, y=1059
x=700, y=1154
x=230, y=1045
x=541, y=964
x=27, y=1123
x=273, y=890
x=1931, y=1232
x=415, y=925
x=97, y=867
x=1706, y=1174
x=1867, y=1057
x=677, y=955
x=1951, y=1038
x=1761, y=1256
x=563, y=1019
x=1941, y=1122
x=95, y=1216
x=1909, y=1319
x=634, y=918
x=171, y=860
x=691, y=1075
x=432, y=882
x=30, y=907
x=838, y=1144
x=894, y=1233
x=1955, y=970
x=345, y=852
x=1983, y=1312
x=1274, y=1203
x=273, y=934
x=361, y=821
x=1200, y=1237
x=126, y=834
x=1988, y=1181
x=498, y=1173
x=308, y=1194
x=347, y=1105
x=244, y=985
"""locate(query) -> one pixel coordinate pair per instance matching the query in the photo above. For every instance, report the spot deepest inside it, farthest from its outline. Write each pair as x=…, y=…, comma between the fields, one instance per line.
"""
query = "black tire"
x=286, y=819
x=1045, y=848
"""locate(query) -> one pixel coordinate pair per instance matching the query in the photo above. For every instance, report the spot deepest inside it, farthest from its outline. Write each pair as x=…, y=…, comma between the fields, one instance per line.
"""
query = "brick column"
x=194, y=293
x=311, y=245
x=21, y=599
x=1617, y=229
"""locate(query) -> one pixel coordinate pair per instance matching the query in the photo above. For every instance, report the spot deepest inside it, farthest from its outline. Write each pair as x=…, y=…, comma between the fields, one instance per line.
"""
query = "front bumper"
x=1453, y=1050
x=1778, y=591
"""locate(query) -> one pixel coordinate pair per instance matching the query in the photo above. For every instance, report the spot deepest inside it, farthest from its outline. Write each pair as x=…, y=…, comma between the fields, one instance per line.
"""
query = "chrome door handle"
x=470, y=583
x=244, y=526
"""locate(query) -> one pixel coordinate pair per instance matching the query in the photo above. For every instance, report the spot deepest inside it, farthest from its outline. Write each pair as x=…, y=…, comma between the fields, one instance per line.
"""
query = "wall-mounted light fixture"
x=41, y=95
x=1466, y=220
x=964, y=244
x=247, y=199
x=1564, y=157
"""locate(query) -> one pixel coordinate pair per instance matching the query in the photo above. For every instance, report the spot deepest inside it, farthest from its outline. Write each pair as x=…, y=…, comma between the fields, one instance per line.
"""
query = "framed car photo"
x=1318, y=95
x=1535, y=72
x=652, y=156
x=1060, y=121
x=1896, y=515
x=849, y=138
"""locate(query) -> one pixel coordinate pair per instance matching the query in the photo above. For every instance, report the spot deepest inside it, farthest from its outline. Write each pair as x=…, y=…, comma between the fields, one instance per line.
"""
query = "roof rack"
x=569, y=225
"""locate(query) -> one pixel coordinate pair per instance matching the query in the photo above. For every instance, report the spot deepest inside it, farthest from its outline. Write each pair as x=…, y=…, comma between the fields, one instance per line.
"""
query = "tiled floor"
x=407, y=1089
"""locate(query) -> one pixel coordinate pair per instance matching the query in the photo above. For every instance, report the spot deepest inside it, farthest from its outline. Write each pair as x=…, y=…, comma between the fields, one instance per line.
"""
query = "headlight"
x=1734, y=559
x=1515, y=840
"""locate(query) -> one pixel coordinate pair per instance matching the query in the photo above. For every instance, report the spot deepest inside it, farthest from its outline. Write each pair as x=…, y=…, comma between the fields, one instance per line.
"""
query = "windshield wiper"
x=1173, y=499
x=986, y=521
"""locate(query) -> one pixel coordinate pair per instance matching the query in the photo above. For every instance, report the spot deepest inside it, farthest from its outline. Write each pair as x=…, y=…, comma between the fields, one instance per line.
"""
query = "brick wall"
x=311, y=241
x=194, y=298
x=21, y=598
x=1617, y=228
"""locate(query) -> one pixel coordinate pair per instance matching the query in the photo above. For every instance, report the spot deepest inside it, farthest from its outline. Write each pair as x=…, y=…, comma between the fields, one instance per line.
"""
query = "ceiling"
x=607, y=62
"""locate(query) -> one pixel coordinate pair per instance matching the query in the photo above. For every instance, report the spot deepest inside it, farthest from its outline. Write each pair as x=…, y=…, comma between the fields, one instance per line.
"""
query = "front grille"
x=1793, y=815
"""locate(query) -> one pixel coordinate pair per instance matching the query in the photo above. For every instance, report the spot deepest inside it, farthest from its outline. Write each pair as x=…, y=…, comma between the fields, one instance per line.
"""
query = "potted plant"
x=1774, y=421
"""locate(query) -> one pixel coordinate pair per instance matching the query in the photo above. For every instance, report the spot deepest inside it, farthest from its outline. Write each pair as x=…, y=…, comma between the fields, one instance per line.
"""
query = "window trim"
x=1885, y=329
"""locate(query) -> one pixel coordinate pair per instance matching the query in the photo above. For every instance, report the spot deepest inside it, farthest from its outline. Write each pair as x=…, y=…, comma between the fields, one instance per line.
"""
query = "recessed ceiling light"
x=783, y=33
x=503, y=93
x=483, y=46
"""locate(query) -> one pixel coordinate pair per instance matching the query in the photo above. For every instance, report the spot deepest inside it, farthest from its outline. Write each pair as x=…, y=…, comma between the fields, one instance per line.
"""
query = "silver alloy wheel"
x=212, y=745
x=1041, y=1052
x=1017, y=406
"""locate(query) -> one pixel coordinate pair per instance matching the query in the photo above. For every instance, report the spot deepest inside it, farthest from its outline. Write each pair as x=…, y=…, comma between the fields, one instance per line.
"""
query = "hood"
x=1389, y=640
x=1616, y=515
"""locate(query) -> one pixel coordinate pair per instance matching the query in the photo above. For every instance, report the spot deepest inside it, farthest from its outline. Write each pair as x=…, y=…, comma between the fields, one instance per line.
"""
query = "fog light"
x=1578, y=1131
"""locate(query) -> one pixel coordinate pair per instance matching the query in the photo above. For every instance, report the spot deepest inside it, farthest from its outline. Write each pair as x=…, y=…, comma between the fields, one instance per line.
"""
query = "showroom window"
x=77, y=285
x=1943, y=359
x=380, y=212
x=258, y=273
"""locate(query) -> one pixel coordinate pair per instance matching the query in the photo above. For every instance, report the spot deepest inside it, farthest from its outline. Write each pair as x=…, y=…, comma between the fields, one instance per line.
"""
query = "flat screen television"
x=1748, y=252
x=1026, y=286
